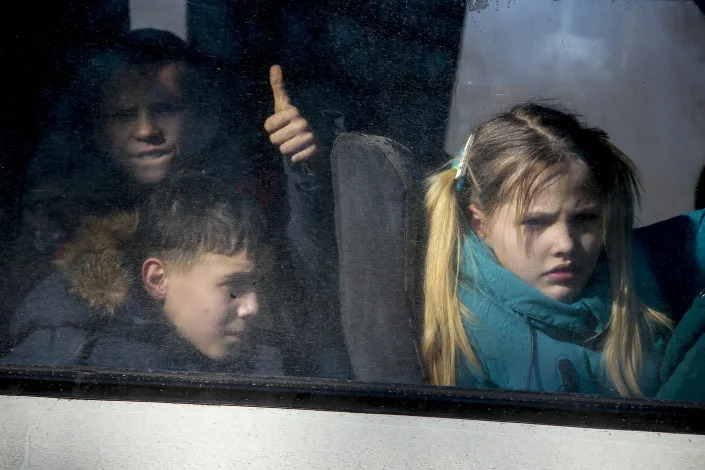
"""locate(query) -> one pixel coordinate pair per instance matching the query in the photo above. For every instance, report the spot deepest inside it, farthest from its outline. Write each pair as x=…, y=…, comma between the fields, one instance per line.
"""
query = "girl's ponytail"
x=443, y=334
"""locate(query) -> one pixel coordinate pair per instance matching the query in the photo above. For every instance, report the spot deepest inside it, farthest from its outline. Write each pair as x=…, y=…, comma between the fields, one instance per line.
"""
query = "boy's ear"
x=478, y=219
x=154, y=278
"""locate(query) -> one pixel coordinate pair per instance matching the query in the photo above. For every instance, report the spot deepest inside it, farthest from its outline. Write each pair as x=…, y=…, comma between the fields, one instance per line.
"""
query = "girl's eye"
x=586, y=218
x=535, y=222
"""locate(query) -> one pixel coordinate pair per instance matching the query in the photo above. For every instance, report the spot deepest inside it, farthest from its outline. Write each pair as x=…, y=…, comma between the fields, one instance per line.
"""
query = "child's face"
x=555, y=246
x=209, y=303
x=143, y=120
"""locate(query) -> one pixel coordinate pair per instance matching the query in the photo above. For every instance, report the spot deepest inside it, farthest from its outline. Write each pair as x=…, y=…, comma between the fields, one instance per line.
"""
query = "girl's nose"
x=563, y=242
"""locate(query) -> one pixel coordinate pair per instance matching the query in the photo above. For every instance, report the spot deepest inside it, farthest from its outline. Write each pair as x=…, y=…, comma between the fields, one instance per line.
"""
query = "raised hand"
x=287, y=129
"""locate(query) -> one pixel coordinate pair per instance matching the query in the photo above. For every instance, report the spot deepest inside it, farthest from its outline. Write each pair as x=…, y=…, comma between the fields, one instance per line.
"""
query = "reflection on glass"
x=179, y=211
x=633, y=68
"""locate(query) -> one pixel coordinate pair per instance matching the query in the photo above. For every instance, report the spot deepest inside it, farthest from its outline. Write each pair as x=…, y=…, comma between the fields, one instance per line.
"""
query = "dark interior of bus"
x=383, y=64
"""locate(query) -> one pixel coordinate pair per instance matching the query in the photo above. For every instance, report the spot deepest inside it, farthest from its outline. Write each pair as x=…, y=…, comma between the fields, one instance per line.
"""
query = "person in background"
x=139, y=110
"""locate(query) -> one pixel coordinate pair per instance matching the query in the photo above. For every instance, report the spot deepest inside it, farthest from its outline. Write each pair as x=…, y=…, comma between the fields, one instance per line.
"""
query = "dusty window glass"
x=536, y=278
x=244, y=188
x=172, y=207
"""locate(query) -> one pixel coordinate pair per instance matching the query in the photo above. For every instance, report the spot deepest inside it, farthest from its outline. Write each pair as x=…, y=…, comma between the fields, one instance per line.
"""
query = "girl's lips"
x=561, y=275
x=563, y=272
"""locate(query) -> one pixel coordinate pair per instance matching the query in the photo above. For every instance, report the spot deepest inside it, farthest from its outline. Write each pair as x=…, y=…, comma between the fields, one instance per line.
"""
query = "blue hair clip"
x=461, y=163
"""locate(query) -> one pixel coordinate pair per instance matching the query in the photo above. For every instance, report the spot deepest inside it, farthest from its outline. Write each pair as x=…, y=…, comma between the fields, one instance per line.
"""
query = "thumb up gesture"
x=287, y=129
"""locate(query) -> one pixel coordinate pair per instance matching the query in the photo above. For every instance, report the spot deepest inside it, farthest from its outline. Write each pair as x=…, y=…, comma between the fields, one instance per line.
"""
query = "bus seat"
x=377, y=218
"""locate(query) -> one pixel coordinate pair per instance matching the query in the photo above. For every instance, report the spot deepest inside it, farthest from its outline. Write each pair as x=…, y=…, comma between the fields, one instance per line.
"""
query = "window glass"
x=413, y=193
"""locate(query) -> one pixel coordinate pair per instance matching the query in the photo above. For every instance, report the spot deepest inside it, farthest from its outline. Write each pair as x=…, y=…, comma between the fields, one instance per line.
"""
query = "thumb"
x=276, y=80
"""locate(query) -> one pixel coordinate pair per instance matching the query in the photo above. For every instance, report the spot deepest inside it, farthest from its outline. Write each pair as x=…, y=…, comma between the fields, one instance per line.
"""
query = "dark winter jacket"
x=89, y=313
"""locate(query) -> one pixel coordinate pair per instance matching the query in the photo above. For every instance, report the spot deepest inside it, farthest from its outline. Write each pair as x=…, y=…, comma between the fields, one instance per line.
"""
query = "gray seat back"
x=377, y=216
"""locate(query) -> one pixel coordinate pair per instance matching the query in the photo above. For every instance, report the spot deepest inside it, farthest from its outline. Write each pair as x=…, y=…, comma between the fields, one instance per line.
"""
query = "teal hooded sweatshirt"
x=525, y=340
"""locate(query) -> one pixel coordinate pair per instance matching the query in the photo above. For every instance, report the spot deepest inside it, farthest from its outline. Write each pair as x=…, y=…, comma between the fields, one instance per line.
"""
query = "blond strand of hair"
x=444, y=334
x=630, y=318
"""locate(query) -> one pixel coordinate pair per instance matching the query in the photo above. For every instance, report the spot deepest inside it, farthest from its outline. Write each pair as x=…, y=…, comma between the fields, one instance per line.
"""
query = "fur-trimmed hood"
x=95, y=261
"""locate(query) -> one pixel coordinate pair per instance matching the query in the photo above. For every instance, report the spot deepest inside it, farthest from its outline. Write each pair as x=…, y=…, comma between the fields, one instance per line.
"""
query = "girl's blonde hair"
x=509, y=159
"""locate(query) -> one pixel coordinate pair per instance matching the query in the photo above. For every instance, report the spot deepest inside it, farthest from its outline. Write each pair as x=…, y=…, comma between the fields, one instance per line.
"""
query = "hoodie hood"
x=95, y=260
x=581, y=320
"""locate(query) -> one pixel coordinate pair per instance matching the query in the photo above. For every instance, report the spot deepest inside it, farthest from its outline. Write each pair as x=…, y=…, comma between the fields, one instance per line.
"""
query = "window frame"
x=561, y=409
x=558, y=409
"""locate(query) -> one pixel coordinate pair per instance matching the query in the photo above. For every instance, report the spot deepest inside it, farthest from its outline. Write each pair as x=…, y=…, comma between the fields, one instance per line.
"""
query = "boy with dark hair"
x=176, y=286
x=136, y=111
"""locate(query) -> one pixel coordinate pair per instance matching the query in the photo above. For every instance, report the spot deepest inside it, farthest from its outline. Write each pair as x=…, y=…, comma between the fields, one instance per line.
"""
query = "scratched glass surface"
x=211, y=186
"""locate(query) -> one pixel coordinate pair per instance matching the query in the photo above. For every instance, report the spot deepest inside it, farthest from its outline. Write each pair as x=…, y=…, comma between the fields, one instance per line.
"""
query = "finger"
x=298, y=143
x=281, y=119
x=291, y=130
x=276, y=80
x=305, y=154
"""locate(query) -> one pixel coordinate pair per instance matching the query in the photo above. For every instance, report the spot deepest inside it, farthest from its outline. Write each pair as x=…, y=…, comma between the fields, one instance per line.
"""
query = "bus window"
x=448, y=203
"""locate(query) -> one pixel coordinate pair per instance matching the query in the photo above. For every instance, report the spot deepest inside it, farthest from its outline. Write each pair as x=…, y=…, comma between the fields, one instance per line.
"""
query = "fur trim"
x=95, y=260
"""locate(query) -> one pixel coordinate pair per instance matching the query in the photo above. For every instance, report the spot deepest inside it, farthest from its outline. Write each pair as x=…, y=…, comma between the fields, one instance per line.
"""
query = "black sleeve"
x=311, y=244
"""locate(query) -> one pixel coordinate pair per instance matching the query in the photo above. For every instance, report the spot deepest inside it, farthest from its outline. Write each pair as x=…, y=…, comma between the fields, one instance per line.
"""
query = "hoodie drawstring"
x=532, y=333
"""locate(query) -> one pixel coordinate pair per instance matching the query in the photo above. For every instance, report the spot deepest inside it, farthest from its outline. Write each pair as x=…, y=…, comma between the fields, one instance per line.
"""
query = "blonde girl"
x=529, y=278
